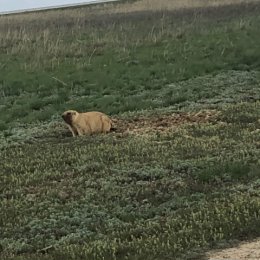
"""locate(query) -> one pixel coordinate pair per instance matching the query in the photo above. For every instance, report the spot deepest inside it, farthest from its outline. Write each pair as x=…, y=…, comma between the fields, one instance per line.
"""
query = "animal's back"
x=98, y=122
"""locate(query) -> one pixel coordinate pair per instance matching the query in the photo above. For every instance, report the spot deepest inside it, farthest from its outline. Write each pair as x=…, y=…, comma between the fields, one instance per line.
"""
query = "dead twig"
x=62, y=82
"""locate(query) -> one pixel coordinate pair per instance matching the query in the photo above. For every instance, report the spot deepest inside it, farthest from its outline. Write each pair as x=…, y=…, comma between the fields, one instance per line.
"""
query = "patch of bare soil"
x=245, y=251
x=163, y=123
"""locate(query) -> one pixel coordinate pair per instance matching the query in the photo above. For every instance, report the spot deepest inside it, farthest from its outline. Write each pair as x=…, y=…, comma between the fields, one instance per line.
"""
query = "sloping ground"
x=245, y=251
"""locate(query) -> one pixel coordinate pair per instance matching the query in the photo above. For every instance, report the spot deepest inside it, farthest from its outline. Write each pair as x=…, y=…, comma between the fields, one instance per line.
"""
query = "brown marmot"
x=87, y=123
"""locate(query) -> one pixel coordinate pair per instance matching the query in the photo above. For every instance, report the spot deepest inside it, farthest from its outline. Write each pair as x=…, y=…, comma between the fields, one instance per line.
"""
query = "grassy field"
x=181, y=173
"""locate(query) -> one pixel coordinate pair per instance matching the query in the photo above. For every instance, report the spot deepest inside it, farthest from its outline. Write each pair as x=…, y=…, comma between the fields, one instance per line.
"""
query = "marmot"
x=87, y=123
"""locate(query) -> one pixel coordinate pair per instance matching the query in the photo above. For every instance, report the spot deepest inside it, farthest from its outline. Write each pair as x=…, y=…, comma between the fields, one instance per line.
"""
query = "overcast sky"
x=13, y=5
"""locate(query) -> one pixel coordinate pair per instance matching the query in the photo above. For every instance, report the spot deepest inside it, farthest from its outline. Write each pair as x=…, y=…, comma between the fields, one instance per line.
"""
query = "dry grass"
x=138, y=6
x=155, y=5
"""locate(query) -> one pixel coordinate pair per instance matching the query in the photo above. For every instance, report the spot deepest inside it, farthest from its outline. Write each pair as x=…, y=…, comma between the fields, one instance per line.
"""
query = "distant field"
x=181, y=173
x=155, y=5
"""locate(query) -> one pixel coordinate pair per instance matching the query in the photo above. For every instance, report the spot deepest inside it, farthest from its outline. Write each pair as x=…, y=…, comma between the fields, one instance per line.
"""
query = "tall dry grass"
x=154, y=5
x=125, y=7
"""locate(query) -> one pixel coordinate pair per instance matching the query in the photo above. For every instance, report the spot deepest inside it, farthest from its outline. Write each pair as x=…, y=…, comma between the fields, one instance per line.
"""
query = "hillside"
x=181, y=173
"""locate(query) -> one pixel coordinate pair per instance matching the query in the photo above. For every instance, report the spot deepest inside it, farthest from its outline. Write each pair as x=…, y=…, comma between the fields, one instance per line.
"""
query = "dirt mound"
x=163, y=123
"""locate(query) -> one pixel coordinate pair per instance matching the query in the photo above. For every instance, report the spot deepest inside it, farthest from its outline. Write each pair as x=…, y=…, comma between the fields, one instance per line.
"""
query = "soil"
x=163, y=123
x=245, y=251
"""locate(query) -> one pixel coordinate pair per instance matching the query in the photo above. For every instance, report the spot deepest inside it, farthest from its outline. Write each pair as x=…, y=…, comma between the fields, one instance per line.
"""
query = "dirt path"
x=245, y=251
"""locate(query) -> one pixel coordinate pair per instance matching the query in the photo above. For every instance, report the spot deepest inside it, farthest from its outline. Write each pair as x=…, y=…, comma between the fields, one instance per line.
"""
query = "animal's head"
x=69, y=116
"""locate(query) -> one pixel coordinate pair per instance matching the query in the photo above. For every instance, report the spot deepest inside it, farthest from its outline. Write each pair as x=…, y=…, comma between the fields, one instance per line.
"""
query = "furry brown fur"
x=87, y=123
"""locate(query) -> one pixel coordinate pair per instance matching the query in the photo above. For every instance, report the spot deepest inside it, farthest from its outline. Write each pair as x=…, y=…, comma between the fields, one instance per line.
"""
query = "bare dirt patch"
x=245, y=251
x=163, y=123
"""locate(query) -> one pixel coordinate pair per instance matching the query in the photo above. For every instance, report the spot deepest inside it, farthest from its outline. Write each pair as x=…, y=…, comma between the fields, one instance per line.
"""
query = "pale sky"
x=13, y=5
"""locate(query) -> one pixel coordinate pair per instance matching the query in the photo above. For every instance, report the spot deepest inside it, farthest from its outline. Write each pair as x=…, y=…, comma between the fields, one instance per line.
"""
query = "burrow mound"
x=163, y=123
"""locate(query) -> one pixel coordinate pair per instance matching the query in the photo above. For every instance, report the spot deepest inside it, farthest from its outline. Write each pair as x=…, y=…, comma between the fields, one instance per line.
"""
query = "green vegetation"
x=183, y=178
x=118, y=63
